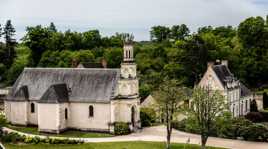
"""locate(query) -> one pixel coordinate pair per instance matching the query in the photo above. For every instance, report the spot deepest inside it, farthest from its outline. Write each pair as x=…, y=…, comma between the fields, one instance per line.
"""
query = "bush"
x=192, y=126
x=254, y=117
x=11, y=137
x=121, y=128
x=148, y=116
x=255, y=132
x=179, y=125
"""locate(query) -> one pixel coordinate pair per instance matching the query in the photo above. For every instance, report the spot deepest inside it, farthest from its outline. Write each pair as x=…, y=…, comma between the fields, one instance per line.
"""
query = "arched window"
x=66, y=113
x=32, y=108
x=91, y=111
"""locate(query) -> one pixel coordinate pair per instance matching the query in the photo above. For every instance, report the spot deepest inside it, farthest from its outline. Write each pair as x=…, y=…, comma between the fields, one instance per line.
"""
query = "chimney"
x=210, y=64
x=224, y=62
x=104, y=63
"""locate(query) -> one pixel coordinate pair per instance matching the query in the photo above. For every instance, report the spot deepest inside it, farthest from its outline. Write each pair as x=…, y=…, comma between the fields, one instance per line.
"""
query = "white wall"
x=48, y=117
x=33, y=117
x=122, y=109
x=16, y=112
x=128, y=87
x=79, y=116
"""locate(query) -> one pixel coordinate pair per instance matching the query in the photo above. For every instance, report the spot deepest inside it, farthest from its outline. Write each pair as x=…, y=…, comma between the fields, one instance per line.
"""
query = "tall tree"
x=169, y=97
x=206, y=106
x=159, y=33
x=9, y=32
x=179, y=32
x=52, y=27
x=38, y=40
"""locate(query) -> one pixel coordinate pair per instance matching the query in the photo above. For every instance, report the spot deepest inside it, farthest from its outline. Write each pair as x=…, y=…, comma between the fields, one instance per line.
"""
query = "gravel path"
x=158, y=133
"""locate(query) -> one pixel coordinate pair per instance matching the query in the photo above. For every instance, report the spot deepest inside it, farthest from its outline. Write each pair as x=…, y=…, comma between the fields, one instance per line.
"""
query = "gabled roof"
x=21, y=94
x=223, y=73
x=84, y=85
x=56, y=93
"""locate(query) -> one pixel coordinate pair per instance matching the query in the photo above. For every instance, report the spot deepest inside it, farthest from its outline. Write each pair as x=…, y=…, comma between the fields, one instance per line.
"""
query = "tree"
x=38, y=40
x=52, y=27
x=9, y=32
x=206, y=106
x=159, y=33
x=169, y=96
x=179, y=32
x=253, y=106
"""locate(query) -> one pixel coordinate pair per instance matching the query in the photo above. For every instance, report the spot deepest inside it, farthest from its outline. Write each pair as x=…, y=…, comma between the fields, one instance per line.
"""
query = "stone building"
x=56, y=99
x=219, y=77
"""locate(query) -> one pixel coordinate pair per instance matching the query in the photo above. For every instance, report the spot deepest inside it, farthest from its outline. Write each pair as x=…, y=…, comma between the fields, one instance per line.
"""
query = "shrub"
x=148, y=116
x=11, y=137
x=121, y=128
x=192, y=125
x=255, y=132
x=223, y=125
x=254, y=117
x=179, y=125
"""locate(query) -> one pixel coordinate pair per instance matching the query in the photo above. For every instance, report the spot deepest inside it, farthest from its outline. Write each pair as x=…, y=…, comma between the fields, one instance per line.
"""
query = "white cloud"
x=128, y=15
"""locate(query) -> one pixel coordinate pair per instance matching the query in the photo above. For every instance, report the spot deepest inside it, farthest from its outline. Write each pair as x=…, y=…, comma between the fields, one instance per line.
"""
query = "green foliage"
x=254, y=117
x=147, y=116
x=17, y=138
x=22, y=60
x=114, y=57
x=121, y=128
x=107, y=145
x=255, y=132
x=253, y=106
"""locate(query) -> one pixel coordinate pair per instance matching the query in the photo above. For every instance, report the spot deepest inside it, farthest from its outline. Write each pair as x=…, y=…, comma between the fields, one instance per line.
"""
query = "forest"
x=173, y=51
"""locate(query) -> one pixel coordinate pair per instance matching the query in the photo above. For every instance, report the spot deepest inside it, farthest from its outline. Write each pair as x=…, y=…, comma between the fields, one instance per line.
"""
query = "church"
x=90, y=99
x=219, y=77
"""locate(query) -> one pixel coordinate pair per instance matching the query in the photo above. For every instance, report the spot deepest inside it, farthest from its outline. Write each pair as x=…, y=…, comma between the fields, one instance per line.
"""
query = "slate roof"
x=83, y=84
x=90, y=65
x=244, y=90
x=56, y=93
x=21, y=94
x=223, y=73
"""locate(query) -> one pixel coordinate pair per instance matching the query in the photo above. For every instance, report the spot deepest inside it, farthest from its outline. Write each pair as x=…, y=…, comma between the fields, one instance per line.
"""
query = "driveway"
x=158, y=133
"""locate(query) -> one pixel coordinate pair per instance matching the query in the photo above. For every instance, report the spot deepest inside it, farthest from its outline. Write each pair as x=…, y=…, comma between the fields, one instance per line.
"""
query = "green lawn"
x=117, y=145
x=68, y=133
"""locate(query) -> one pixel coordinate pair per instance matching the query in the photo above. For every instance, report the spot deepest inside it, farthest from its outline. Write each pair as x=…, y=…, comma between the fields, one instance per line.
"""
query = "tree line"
x=172, y=51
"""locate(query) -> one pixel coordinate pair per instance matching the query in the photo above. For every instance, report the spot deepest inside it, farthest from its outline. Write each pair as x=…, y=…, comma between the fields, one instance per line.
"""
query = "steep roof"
x=244, y=90
x=223, y=73
x=22, y=93
x=84, y=85
x=90, y=65
x=56, y=93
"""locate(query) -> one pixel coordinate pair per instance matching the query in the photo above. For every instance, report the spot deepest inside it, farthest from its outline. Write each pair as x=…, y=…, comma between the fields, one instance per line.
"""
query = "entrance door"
x=133, y=116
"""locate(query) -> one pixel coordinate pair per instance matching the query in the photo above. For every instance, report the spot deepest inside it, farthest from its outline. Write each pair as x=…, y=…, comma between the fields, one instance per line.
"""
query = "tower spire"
x=128, y=52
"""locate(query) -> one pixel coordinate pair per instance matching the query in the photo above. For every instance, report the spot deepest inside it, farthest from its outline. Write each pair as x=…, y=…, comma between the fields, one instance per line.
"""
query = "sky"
x=132, y=16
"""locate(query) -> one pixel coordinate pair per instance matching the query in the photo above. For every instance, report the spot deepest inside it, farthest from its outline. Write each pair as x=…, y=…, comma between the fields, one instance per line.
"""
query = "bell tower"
x=129, y=84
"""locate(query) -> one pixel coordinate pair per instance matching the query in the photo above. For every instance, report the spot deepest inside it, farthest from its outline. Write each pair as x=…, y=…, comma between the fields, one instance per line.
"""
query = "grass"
x=68, y=133
x=117, y=145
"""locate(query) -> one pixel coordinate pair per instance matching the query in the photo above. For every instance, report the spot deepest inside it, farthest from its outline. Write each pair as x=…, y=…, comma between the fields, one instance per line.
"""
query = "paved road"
x=158, y=133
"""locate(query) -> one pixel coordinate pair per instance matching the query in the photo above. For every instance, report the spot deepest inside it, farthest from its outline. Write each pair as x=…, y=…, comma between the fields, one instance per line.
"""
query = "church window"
x=32, y=108
x=246, y=105
x=91, y=111
x=66, y=113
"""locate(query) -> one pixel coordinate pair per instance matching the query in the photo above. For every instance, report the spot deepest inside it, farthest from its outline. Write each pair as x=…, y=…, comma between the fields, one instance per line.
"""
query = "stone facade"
x=56, y=107
x=218, y=77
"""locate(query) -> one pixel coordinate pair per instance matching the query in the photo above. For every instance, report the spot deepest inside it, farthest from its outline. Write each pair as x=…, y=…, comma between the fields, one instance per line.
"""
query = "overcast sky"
x=133, y=16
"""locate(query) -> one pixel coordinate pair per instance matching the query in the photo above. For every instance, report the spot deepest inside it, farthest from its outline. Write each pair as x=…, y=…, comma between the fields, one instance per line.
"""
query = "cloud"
x=135, y=16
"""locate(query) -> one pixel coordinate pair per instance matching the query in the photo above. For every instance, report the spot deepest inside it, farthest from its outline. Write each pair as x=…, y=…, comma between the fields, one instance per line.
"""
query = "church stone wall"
x=122, y=110
x=79, y=116
x=32, y=117
x=48, y=117
x=16, y=112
